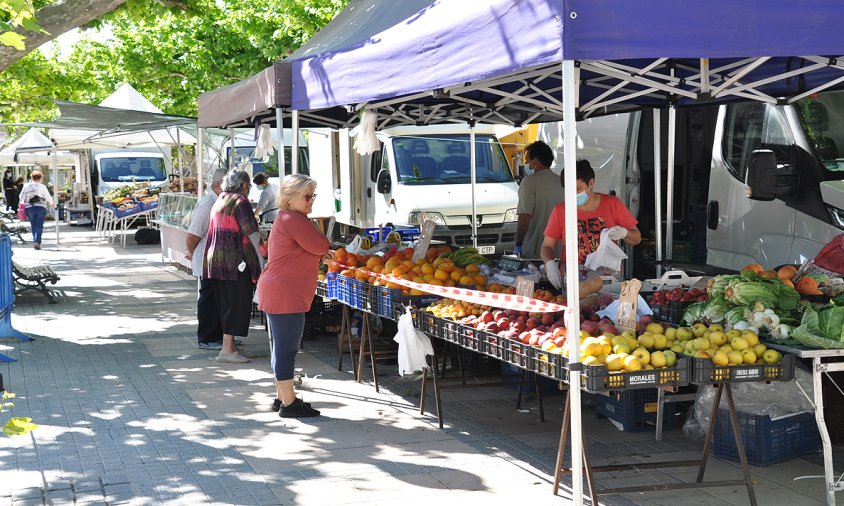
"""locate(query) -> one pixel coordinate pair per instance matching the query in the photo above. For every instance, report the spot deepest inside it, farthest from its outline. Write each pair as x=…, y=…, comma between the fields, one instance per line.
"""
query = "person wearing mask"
x=595, y=212
x=37, y=199
x=539, y=192
x=267, y=209
x=231, y=261
x=209, y=329
x=9, y=191
x=286, y=288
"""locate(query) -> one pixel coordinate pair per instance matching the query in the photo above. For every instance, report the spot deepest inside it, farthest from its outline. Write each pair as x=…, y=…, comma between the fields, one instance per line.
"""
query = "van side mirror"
x=765, y=179
x=384, y=183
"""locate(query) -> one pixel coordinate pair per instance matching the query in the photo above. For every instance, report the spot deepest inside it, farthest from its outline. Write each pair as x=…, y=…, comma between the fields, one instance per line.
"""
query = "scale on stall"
x=510, y=267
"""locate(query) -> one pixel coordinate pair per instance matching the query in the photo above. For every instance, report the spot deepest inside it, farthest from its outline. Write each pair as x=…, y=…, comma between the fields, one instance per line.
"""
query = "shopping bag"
x=22, y=212
x=607, y=255
x=414, y=345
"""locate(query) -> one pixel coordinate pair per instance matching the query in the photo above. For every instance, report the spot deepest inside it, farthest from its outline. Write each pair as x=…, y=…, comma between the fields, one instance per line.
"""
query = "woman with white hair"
x=287, y=285
x=38, y=201
x=232, y=262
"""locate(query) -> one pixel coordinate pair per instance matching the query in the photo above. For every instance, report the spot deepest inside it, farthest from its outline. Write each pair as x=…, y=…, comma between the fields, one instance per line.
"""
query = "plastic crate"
x=407, y=234
x=332, y=285
x=322, y=289
x=389, y=301
x=127, y=211
x=705, y=372
x=470, y=338
x=148, y=206
x=671, y=312
x=494, y=345
x=766, y=441
x=449, y=330
x=426, y=322
x=635, y=410
x=520, y=355
x=596, y=378
x=550, y=365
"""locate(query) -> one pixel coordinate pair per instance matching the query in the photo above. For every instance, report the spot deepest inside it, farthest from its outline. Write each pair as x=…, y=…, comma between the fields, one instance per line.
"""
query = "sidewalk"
x=130, y=412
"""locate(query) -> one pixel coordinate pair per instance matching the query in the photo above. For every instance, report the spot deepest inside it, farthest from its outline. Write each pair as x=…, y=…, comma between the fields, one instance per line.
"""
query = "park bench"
x=14, y=230
x=35, y=278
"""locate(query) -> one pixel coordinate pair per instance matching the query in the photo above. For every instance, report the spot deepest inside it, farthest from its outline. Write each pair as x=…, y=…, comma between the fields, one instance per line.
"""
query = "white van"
x=754, y=182
x=120, y=168
x=244, y=151
x=424, y=172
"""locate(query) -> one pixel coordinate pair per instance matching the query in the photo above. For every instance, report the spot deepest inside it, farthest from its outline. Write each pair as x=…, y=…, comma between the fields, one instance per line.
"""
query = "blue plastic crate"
x=407, y=234
x=127, y=211
x=389, y=301
x=766, y=441
x=348, y=291
x=333, y=285
x=636, y=409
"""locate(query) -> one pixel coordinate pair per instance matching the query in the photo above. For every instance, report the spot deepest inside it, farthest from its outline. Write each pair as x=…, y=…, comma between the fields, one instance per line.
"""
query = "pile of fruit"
x=544, y=330
x=663, y=297
x=190, y=186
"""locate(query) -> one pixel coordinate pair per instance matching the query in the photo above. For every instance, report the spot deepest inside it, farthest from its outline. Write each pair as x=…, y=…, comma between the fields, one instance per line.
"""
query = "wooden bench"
x=14, y=230
x=35, y=278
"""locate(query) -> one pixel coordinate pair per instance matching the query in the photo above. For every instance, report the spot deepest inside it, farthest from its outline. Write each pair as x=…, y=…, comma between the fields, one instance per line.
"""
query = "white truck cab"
x=120, y=168
x=424, y=172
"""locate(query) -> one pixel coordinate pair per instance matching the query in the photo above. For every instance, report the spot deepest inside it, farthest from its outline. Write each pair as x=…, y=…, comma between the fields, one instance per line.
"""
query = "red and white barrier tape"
x=492, y=299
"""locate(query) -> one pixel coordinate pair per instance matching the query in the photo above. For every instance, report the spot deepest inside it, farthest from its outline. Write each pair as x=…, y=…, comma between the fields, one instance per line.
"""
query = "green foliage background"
x=169, y=52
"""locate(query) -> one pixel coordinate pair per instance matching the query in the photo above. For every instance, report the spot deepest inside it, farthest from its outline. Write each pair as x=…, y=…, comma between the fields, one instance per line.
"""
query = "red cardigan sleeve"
x=307, y=235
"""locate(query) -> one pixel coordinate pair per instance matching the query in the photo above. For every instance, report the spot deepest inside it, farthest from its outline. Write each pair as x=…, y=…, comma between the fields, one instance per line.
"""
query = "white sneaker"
x=231, y=358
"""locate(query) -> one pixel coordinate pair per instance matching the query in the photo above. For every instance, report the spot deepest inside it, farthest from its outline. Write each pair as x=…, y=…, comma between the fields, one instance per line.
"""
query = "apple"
x=532, y=323
x=660, y=341
x=748, y=357
x=524, y=337
x=559, y=331
x=632, y=363
x=670, y=333
x=701, y=343
x=646, y=341
x=702, y=354
x=534, y=339
x=698, y=329
x=560, y=341
x=519, y=326
x=547, y=319
x=645, y=319
x=658, y=359
x=670, y=358
x=643, y=355
x=735, y=357
x=720, y=359
x=615, y=362
x=759, y=349
x=503, y=323
x=739, y=344
x=486, y=317
x=621, y=348
x=718, y=338
x=684, y=333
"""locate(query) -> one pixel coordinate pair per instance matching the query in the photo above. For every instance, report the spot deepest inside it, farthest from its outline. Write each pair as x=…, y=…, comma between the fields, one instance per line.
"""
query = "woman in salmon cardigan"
x=288, y=283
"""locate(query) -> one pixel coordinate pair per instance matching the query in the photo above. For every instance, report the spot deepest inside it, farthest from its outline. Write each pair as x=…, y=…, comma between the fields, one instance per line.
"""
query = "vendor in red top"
x=595, y=212
x=288, y=283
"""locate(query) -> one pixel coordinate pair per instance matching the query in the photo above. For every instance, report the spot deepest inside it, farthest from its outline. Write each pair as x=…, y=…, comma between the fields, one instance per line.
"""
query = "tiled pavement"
x=130, y=412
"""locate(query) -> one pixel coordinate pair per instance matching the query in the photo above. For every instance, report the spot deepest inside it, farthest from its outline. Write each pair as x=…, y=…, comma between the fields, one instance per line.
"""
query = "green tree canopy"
x=170, y=55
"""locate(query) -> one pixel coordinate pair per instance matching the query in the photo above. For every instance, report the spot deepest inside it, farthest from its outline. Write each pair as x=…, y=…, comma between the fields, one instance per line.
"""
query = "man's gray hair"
x=234, y=180
x=216, y=177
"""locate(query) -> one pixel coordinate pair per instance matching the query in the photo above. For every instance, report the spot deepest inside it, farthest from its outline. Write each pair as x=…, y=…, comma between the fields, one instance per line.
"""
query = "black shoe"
x=277, y=404
x=297, y=409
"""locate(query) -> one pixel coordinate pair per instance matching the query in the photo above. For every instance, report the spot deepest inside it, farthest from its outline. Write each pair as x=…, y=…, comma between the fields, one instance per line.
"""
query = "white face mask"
x=528, y=170
x=582, y=198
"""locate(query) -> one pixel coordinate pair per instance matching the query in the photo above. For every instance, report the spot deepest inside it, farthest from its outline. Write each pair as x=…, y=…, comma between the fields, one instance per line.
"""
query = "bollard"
x=7, y=295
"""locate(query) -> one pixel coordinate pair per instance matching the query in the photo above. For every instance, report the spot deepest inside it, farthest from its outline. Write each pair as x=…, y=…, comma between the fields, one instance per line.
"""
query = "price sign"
x=524, y=286
x=426, y=233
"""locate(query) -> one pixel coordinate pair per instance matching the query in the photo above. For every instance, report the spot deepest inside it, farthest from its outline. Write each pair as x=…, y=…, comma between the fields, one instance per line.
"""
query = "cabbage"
x=821, y=329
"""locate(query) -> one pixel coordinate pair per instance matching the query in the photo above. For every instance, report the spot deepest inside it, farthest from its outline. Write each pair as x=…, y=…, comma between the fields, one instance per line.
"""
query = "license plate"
x=486, y=250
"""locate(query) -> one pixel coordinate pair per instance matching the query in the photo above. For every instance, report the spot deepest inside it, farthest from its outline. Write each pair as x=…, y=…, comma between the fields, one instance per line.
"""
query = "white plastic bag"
x=414, y=345
x=367, y=140
x=355, y=246
x=608, y=254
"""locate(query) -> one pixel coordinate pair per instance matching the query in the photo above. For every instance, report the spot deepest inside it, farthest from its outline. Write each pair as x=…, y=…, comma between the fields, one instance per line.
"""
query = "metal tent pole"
x=658, y=192
x=294, y=144
x=54, y=162
x=200, y=160
x=279, y=132
x=669, y=184
x=570, y=83
x=472, y=171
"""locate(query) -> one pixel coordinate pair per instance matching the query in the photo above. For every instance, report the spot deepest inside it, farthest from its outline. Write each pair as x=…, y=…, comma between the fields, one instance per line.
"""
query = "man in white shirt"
x=539, y=192
x=209, y=331
x=267, y=209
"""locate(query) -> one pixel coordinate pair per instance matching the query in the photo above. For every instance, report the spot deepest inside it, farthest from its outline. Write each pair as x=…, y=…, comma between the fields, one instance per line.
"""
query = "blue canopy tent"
x=523, y=61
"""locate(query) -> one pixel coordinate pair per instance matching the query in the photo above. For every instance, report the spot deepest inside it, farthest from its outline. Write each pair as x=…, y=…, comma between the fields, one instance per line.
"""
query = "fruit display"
x=679, y=294
x=625, y=351
x=190, y=185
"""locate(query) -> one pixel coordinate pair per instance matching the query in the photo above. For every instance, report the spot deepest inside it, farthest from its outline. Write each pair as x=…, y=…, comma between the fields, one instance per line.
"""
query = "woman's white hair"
x=292, y=186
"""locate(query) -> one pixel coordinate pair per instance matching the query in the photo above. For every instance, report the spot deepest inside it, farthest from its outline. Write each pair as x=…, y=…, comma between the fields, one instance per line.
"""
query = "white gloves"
x=552, y=270
x=617, y=233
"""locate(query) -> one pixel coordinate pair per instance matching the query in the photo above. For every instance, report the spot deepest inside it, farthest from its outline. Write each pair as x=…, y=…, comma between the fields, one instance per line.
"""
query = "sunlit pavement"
x=131, y=412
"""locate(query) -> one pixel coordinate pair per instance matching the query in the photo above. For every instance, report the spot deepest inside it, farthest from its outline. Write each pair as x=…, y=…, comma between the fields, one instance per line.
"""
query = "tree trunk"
x=57, y=19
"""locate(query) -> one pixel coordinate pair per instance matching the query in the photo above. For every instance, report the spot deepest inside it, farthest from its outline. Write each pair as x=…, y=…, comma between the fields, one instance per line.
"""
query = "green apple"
x=643, y=355
x=684, y=333
x=748, y=357
x=771, y=357
x=660, y=342
x=717, y=338
x=670, y=358
x=676, y=348
x=716, y=327
x=646, y=341
x=658, y=359
x=720, y=359
x=735, y=357
x=671, y=333
x=701, y=343
x=698, y=329
x=739, y=344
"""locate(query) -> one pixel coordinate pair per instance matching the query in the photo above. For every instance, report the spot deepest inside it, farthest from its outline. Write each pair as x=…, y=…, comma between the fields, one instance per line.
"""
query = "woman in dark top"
x=10, y=191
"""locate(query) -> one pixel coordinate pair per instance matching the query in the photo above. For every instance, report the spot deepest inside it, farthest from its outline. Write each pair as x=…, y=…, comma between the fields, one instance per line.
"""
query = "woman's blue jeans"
x=36, y=215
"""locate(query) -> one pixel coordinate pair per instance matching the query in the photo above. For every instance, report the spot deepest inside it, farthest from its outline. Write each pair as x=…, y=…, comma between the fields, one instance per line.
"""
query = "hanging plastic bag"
x=367, y=140
x=354, y=247
x=608, y=254
x=414, y=345
x=22, y=212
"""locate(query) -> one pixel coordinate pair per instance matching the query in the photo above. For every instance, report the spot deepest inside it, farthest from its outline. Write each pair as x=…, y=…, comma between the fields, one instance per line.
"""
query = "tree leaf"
x=19, y=426
x=12, y=39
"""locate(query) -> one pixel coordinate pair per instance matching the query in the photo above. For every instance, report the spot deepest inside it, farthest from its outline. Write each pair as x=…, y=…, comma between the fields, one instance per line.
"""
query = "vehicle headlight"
x=419, y=217
x=837, y=216
x=511, y=215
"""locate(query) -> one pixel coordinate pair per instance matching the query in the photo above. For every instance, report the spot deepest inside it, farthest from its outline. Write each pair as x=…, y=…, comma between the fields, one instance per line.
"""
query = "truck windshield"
x=822, y=116
x=444, y=159
x=132, y=168
x=242, y=154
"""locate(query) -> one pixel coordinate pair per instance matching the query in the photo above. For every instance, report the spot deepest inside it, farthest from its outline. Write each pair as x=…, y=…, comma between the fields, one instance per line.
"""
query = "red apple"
x=524, y=336
x=547, y=319
x=486, y=317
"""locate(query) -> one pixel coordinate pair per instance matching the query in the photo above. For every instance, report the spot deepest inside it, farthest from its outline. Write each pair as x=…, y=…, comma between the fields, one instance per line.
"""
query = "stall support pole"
x=423, y=394
x=279, y=132
x=200, y=162
x=658, y=191
x=472, y=168
x=669, y=184
x=570, y=83
x=294, y=143
x=829, y=478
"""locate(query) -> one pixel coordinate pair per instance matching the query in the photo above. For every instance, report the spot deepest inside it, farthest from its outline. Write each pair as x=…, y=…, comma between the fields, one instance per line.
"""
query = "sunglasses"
x=309, y=198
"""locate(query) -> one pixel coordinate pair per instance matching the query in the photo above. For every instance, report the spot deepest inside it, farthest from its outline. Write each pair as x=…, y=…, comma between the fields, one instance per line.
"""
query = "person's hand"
x=189, y=254
x=517, y=251
x=552, y=270
x=616, y=233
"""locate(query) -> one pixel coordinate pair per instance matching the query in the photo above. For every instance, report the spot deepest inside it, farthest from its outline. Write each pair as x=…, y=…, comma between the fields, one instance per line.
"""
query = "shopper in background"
x=539, y=192
x=267, y=208
x=231, y=261
x=37, y=199
x=209, y=331
x=287, y=286
x=595, y=212
x=9, y=191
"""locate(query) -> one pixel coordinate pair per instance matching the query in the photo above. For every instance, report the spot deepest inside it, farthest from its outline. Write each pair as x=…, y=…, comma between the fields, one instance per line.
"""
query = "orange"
x=428, y=277
x=753, y=267
x=392, y=285
x=466, y=280
x=456, y=274
x=427, y=269
x=420, y=261
x=473, y=268
x=441, y=275
x=398, y=271
x=480, y=279
x=449, y=282
x=373, y=261
x=447, y=267
x=361, y=275
x=435, y=282
x=787, y=272
x=340, y=255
